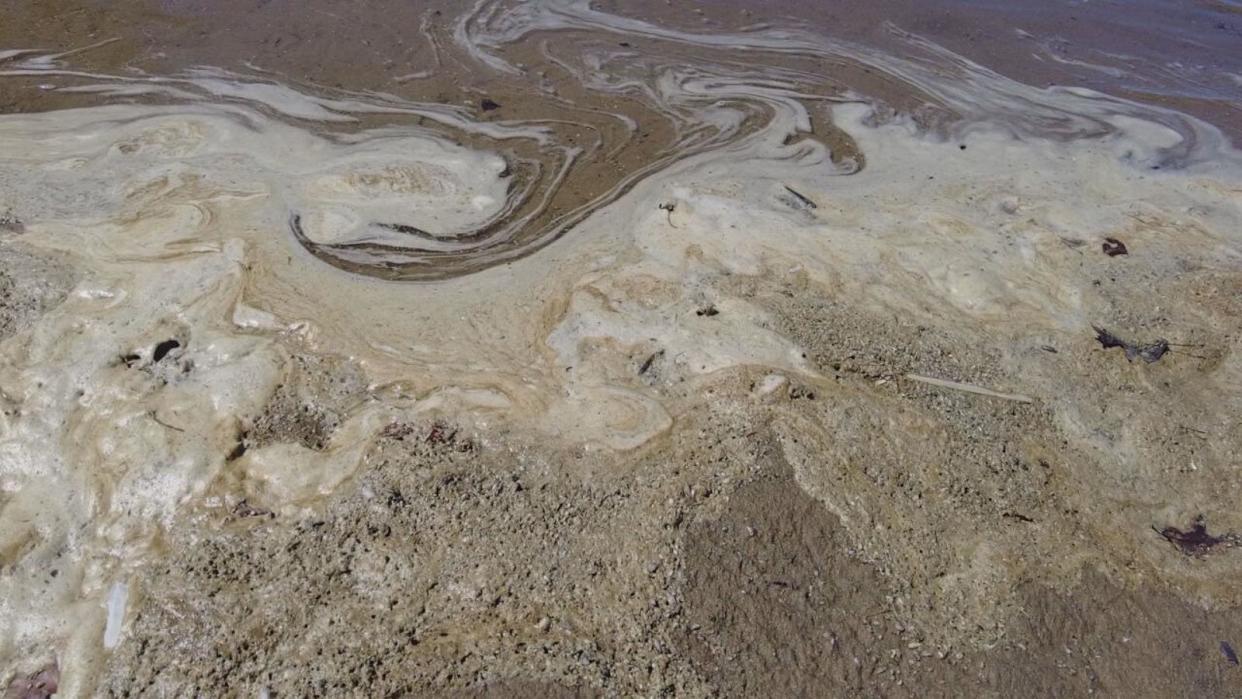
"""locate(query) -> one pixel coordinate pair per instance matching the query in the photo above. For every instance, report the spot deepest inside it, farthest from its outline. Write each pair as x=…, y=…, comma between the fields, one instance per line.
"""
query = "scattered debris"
x=157, y=419
x=1018, y=516
x=488, y=105
x=970, y=388
x=709, y=311
x=163, y=348
x=396, y=500
x=1114, y=247
x=1196, y=541
x=238, y=450
x=245, y=509
x=397, y=430
x=670, y=208
x=1149, y=352
x=1229, y=653
x=39, y=685
x=11, y=224
x=441, y=434
x=797, y=392
x=646, y=366
x=801, y=198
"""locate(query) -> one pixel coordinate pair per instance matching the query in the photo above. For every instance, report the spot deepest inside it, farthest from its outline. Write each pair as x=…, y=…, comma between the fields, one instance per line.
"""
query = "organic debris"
x=669, y=208
x=238, y=450
x=1114, y=247
x=797, y=392
x=40, y=685
x=438, y=434
x=441, y=434
x=1196, y=541
x=806, y=202
x=244, y=509
x=1148, y=352
x=11, y=224
x=969, y=388
x=650, y=360
x=158, y=421
x=162, y=349
x=1229, y=653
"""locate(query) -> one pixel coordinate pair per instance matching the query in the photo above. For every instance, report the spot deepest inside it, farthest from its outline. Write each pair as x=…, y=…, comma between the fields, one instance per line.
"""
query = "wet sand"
x=572, y=349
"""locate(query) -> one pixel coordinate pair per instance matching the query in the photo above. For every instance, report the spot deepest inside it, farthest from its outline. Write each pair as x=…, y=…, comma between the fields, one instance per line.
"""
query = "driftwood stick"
x=970, y=388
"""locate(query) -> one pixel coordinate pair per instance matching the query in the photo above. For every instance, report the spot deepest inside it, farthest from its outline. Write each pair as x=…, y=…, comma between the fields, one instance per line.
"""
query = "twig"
x=802, y=198
x=165, y=424
x=669, y=208
x=970, y=388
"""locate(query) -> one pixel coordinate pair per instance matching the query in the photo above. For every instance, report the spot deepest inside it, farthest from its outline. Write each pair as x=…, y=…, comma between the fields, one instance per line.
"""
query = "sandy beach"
x=569, y=348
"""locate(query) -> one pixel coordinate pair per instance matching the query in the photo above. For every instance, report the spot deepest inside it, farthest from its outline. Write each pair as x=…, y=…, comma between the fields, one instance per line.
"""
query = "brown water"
x=602, y=137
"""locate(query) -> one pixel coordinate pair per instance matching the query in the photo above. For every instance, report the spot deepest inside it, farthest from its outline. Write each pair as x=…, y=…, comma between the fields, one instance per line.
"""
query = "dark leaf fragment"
x=1148, y=352
x=1114, y=247
x=1196, y=541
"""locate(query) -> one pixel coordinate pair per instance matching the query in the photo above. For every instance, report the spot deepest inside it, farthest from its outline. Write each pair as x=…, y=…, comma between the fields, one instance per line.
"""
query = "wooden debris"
x=969, y=388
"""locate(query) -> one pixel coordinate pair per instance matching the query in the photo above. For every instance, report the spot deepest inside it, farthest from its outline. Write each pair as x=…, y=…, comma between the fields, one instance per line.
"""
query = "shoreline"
x=830, y=385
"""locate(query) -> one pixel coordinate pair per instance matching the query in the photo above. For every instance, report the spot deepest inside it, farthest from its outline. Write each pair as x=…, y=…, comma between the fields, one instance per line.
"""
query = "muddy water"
x=256, y=254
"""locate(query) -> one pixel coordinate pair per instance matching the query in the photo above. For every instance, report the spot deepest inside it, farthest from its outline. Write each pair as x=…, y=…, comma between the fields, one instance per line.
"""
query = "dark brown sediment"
x=603, y=140
x=320, y=43
x=1184, y=55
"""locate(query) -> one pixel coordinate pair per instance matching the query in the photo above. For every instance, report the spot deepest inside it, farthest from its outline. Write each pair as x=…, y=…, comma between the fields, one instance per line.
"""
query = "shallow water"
x=507, y=215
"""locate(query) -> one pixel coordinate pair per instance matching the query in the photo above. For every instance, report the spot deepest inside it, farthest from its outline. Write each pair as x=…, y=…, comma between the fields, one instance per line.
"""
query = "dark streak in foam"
x=529, y=220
